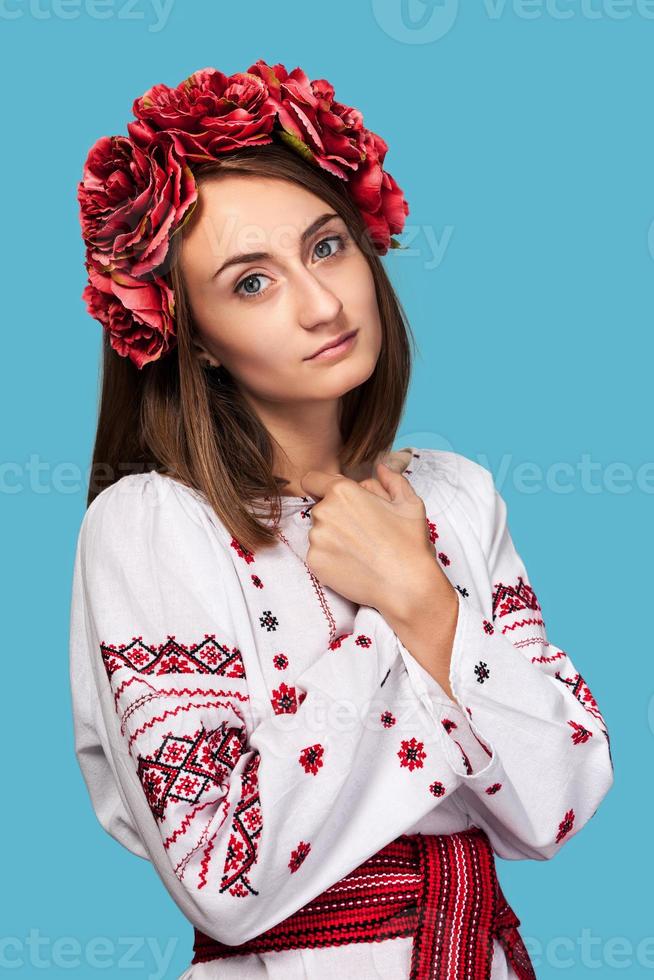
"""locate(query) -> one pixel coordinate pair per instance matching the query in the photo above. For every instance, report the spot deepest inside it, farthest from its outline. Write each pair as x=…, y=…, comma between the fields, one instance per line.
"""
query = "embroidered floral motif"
x=433, y=533
x=412, y=754
x=437, y=789
x=566, y=825
x=488, y=627
x=256, y=581
x=284, y=700
x=464, y=592
x=448, y=724
x=482, y=671
x=443, y=558
x=268, y=621
x=280, y=661
x=311, y=758
x=241, y=551
x=298, y=856
x=387, y=719
x=363, y=641
x=491, y=790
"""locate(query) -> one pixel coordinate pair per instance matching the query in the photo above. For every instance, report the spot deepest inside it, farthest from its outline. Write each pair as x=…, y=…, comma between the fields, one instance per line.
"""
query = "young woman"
x=315, y=691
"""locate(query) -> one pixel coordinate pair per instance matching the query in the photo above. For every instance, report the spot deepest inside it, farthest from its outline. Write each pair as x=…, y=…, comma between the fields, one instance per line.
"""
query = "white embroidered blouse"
x=257, y=736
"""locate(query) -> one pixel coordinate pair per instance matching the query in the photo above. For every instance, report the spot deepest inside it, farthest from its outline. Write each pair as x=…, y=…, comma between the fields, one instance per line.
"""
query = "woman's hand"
x=369, y=541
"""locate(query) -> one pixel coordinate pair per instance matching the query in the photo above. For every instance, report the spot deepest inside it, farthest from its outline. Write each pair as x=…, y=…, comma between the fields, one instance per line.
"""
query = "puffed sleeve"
x=545, y=762
x=245, y=814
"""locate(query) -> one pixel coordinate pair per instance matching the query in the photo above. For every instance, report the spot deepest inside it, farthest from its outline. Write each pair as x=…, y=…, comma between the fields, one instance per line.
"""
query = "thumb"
x=396, y=486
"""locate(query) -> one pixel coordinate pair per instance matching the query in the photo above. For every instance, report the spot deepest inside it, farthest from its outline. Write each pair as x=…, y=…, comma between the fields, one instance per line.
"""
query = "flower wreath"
x=138, y=191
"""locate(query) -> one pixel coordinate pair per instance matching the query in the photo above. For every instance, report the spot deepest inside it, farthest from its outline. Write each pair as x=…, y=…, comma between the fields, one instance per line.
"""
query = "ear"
x=203, y=356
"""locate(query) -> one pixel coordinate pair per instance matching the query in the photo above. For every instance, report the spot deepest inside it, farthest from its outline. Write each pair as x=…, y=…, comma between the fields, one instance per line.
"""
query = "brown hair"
x=176, y=417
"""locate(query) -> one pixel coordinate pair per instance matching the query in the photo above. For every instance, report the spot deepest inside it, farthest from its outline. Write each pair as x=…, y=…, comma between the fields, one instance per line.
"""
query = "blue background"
x=524, y=146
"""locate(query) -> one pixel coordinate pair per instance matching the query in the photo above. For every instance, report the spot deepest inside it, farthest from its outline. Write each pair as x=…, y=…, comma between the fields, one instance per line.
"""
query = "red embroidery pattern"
x=444, y=559
x=298, y=856
x=433, y=533
x=566, y=825
x=363, y=641
x=256, y=581
x=580, y=734
x=448, y=725
x=488, y=627
x=241, y=551
x=311, y=758
x=173, y=657
x=387, y=719
x=412, y=754
x=437, y=789
x=335, y=644
x=244, y=839
x=284, y=700
x=582, y=692
x=280, y=661
x=509, y=598
x=185, y=767
x=491, y=790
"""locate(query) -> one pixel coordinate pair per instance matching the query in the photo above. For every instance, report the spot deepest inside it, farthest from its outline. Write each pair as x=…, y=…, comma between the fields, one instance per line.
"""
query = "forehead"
x=246, y=213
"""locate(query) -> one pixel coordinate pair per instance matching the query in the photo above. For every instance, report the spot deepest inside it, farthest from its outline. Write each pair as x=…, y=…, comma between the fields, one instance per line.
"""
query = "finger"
x=317, y=482
x=396, y=485
x=375, y=487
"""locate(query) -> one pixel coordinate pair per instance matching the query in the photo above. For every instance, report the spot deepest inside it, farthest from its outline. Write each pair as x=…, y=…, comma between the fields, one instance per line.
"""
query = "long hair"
x=191, y=422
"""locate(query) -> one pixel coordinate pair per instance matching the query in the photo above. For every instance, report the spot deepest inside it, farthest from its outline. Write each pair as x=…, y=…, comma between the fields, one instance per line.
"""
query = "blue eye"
x=260, y=275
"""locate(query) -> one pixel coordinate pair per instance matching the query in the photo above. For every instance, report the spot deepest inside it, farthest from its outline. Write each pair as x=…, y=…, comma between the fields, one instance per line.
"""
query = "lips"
x=332, y=343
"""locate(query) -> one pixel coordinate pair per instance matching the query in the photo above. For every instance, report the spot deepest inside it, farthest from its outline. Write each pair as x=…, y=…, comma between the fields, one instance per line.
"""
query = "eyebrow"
x=259, y=256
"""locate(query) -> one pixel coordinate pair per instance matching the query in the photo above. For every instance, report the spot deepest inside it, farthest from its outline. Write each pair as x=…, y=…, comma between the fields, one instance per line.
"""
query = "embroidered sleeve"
x=526, y=735
x=247, y=809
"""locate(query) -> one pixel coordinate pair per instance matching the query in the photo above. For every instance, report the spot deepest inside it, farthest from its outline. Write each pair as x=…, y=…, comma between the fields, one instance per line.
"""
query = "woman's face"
x=264, y=315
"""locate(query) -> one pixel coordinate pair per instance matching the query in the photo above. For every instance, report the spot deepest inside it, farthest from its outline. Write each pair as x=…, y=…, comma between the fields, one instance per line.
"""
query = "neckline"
x=414, y=467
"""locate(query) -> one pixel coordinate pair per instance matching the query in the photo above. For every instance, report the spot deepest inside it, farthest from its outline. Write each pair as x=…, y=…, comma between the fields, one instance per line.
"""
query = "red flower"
x=388, y=719
x=311, y=758
x=280, y=661
x=412, y=754
x=327, y=132
x=298, y=856
x=378, y=195
x=137, y=315
x=131, y=202
x=211, y=113
x=437, y=789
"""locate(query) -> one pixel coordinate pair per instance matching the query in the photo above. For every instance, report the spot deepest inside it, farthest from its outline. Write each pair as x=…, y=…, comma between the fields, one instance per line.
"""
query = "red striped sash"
x=441, y=889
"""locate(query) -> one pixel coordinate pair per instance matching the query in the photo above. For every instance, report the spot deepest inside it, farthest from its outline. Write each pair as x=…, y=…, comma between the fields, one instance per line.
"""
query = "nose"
x=316, y=301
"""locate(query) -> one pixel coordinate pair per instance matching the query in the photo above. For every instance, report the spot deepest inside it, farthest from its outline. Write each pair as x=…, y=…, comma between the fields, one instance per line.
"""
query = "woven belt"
x=441, y=889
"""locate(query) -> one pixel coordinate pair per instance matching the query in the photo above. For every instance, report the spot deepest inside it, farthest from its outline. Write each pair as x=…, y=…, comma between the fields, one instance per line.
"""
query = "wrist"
x=425, y=588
